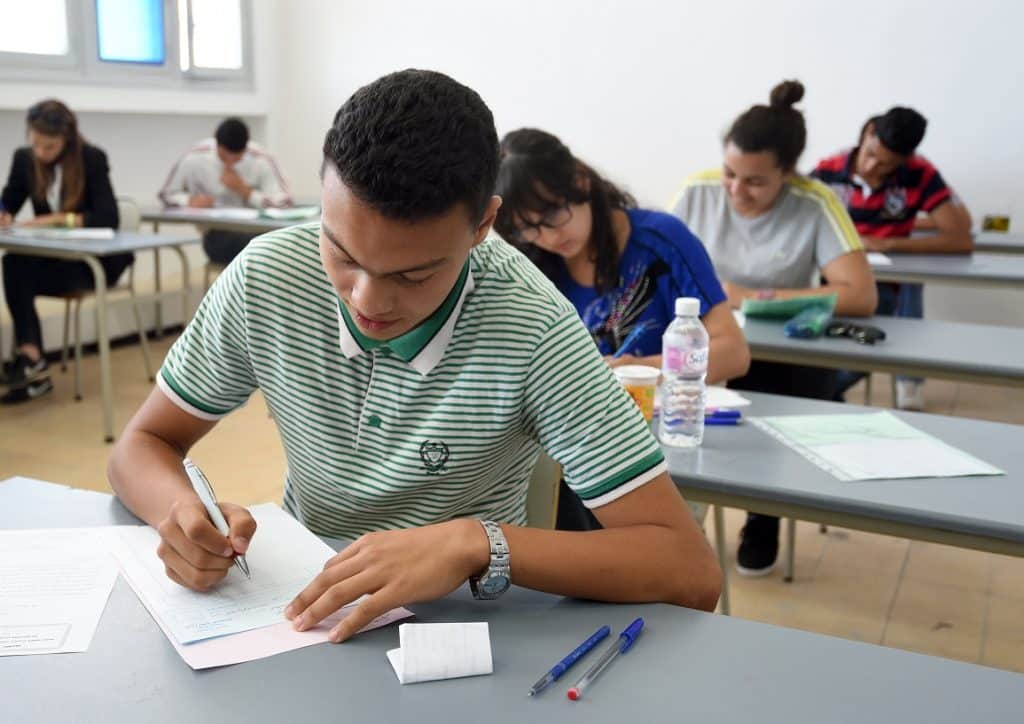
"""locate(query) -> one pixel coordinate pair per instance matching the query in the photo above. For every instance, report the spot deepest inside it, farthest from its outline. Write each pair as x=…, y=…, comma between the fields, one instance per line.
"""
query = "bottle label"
x=676, y=361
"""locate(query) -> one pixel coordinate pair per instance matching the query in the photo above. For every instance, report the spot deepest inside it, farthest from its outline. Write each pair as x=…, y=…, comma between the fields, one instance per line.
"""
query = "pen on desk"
x=205, y=492
x=721, y=421
x=723, y=414
x=562, y=666
x=626, y=639
x=632, y=337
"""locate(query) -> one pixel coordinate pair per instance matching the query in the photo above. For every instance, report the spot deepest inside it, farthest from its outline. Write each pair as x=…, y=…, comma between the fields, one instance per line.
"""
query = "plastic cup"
x=640, y=381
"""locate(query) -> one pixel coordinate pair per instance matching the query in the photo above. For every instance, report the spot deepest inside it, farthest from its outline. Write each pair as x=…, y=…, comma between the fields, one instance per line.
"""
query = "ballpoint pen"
x=723, y=414
x=626, y=639
x=205, y=492
x=562, y=666
x=632, y=337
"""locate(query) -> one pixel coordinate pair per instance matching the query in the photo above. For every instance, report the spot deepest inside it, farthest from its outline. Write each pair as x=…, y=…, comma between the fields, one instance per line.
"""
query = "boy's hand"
x=396, y=568
x=194, y=553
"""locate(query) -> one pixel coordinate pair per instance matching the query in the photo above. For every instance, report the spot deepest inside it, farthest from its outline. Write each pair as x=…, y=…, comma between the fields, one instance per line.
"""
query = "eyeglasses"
x=859, y=333
x=551, y=219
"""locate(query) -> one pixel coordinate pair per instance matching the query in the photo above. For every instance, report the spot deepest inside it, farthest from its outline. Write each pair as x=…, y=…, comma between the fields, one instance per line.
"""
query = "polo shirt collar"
x=421, y=347
x=896, y=178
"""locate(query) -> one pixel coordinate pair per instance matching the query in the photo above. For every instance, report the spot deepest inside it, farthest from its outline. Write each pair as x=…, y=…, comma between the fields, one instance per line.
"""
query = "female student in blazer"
x=622, y=267
x=773, y=233
x=68, y=183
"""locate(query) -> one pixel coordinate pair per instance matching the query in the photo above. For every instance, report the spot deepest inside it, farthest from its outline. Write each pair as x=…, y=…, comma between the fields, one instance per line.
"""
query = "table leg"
x=787, y=575
x=103, y=342
x=723, y=604
x=158, y=316
x=186, y=291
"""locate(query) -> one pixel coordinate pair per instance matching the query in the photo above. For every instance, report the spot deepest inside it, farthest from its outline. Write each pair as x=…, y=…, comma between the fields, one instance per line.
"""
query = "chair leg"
x=78, y=349
x=867, y=389
x=787, y=574
x=724, y=607
x=143, y=340
x=64, y=344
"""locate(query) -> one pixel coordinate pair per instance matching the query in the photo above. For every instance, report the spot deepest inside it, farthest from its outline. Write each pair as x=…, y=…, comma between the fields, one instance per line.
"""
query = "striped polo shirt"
x=888, y=211
x=445, y=421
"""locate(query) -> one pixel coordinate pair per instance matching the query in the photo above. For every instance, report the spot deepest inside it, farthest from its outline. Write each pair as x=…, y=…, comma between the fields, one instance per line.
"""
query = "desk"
x=743, y=467
x=915, y=347
x=89, y=251
x=686, y=666
x=209, y=219
x=1000, y=242
x=978, y=269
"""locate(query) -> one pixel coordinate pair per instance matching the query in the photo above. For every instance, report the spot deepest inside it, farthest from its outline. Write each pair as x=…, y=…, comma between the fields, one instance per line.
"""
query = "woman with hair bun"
x=775, y=234
x=68, y=182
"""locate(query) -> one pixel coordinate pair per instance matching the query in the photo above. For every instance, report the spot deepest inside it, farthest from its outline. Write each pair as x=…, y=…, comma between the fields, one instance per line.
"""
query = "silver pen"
x=205, y=492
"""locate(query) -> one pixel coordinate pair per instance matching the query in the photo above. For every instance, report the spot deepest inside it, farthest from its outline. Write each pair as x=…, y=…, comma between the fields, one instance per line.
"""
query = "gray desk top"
x=955, y=350
x=122, y=242
x=686, y=666
x=185, y=216
x=999, y=242
x=980, y=268
x=735, y=460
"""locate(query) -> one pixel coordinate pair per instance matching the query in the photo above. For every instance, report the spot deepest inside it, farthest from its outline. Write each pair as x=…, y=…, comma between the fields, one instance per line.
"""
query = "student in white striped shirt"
x=415, y=366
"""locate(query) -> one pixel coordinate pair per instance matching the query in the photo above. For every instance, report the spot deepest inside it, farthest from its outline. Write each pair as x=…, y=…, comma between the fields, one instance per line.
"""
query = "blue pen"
x=562, y=666
x=626, y=639
x=723, y=414
x=721, y=421
x=632, y=337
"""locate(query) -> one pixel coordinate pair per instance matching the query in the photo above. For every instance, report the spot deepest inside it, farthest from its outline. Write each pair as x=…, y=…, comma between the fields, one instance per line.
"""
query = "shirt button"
x=373, y=421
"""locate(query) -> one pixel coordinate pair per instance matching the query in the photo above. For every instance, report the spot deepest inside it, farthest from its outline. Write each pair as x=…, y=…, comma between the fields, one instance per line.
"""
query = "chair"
x=542, y=493
x=131, y=218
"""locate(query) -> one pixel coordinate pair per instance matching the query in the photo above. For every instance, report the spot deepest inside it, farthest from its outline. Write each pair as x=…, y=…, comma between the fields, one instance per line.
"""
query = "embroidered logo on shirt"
x=895, y=202
x=434, y=455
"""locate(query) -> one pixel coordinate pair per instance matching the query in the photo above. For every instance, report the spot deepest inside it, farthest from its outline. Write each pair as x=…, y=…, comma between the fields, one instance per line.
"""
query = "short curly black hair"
x=413, y=144
x=232, y=134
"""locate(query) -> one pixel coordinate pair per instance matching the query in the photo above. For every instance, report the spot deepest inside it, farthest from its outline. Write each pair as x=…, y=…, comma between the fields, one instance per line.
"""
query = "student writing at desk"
x=886, y=186
x=227, y=170
x=622, y=267
x=772, y=234
x=414, y=365
x=68, y=183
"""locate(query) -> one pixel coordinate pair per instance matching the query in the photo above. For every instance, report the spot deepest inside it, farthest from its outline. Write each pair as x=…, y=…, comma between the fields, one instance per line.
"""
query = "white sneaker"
x=909, y=395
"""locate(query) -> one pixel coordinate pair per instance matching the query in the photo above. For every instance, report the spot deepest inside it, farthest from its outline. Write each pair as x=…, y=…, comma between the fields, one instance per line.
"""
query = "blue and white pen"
x=632, y=337
x=626, y=639
x=562, y=666
x=205, y=492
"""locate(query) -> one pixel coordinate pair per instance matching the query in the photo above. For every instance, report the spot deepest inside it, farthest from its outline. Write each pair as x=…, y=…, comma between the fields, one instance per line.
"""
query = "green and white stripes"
x=374, y=442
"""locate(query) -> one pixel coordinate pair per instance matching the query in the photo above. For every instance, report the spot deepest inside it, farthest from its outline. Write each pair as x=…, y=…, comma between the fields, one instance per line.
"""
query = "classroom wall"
x=644, y=89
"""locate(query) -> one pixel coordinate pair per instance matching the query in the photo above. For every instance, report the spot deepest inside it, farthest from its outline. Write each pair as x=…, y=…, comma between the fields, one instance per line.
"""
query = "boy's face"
x=391, y=275
x=875, y=163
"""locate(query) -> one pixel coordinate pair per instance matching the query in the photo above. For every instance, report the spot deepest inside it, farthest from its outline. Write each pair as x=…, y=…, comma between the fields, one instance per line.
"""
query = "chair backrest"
x=542, y=494
x=130, y=213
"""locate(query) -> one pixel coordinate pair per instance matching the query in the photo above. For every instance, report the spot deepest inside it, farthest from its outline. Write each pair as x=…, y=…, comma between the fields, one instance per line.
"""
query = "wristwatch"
x=497, y=578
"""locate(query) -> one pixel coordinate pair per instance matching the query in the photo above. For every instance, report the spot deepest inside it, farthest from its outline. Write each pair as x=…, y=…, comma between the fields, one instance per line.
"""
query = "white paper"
x=54, y=585
x=220, y=212
x=432, y=651
x=283, y=558
x=722, y=398
x=877, y=258
x=90, y=234
x=740, y=317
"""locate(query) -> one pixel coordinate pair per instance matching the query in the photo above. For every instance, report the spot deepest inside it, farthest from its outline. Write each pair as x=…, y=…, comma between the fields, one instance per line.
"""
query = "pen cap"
x=631, y=633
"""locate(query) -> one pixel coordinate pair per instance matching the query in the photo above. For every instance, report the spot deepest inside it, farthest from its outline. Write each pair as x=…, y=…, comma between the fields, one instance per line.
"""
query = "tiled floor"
x=918, y=596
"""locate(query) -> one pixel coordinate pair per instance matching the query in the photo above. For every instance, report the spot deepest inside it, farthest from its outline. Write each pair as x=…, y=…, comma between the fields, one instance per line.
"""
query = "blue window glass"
x=131, y=31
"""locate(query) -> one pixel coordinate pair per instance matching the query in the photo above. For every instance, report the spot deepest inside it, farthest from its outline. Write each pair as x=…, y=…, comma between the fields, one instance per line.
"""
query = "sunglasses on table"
x=859, y=333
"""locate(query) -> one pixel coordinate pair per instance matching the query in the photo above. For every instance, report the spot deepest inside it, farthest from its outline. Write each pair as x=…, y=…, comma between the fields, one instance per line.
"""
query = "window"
x=210, y=38
x=35, y=33
x=130, y=31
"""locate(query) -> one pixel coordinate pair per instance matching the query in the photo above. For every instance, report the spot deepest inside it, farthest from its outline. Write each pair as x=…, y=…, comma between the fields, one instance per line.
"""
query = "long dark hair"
x=53, y=118
x=777, y=127
x=538, y=173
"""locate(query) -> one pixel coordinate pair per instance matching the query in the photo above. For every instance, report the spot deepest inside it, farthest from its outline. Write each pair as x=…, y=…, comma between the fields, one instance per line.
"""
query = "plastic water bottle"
x=684, y=364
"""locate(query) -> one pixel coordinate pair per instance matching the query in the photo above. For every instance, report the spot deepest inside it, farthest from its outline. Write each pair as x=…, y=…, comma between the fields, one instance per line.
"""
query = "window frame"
x=243, y=74
x=51, y=62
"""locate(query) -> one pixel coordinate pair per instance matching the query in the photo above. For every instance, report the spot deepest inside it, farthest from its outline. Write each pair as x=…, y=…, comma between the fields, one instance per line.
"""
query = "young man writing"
x=886, y=186
x=415, y=366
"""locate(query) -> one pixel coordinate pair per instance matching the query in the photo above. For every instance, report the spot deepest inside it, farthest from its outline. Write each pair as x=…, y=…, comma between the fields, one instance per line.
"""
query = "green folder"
x=786, y=308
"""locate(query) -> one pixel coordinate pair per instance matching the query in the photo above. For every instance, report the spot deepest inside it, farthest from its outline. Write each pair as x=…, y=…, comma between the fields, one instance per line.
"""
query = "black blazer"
x=98, y=206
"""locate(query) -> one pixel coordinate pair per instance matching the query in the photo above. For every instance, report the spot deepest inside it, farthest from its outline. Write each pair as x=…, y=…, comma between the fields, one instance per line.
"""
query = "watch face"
x=494, y=585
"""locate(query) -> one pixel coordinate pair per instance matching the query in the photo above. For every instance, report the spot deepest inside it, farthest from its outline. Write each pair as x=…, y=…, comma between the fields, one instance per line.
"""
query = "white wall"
x=644, y=89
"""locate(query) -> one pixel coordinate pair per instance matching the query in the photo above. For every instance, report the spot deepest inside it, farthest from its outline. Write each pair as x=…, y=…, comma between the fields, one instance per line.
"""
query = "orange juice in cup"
x=640, y=382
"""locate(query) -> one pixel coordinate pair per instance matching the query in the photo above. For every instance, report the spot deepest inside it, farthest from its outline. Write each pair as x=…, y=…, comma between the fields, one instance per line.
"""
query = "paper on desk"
x=90, y=234
x=874, y=446
x=283, y=558
x=432, y=651
x=877, y=258
x=219, y=212
x=291, y=213
x=722, y=398
x=54, y=585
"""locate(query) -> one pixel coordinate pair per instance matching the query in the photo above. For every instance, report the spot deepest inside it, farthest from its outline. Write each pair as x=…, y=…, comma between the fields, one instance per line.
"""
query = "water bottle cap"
x=687, y=307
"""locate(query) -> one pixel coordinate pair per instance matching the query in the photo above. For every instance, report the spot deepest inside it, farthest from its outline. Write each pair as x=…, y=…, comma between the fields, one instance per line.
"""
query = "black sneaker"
x=28, y=391
x=759, y=545
x=24, y=370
